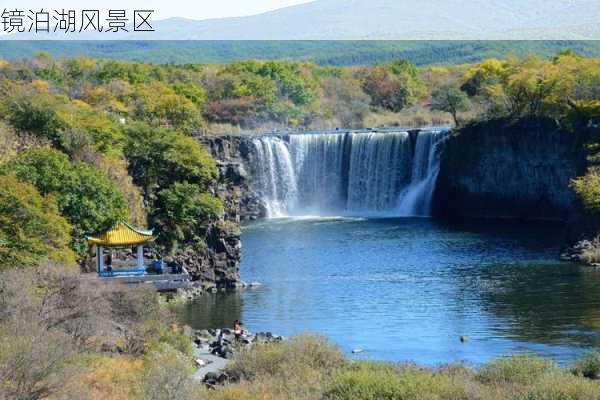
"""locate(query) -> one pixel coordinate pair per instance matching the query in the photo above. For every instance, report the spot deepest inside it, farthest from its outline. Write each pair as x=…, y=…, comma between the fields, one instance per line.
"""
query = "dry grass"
x=414, y=117
x=309, y=368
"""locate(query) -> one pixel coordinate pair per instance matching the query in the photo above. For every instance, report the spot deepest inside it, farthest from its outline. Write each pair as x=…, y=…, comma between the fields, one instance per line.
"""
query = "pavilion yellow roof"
x=123, y=234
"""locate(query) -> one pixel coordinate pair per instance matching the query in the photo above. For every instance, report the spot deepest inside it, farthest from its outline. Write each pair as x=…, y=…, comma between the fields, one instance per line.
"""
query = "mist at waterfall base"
x=400, y=288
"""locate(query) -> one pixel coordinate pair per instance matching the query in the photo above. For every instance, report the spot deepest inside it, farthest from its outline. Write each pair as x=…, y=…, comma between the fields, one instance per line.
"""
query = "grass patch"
x=310, y=368
x=588, y=365
x=298, y=356
x=517, y=369
x=373, y=381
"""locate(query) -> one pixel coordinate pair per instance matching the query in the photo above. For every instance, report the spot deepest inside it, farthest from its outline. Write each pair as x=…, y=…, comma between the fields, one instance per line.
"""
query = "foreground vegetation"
x=309, y=367
x=63, y=338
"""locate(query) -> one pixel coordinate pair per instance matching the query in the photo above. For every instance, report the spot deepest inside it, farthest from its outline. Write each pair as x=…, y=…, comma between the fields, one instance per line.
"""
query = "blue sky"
x=198, y=9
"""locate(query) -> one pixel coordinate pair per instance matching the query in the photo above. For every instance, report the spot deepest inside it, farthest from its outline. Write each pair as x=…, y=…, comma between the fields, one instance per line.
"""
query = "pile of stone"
x=215, y=347
x=576, y=252
x=223, y=342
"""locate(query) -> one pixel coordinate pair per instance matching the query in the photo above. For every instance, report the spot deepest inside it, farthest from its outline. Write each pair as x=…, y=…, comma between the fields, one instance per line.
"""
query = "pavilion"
x=122, y=235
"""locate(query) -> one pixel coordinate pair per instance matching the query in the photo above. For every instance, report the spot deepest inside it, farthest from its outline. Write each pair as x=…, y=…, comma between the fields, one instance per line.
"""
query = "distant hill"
x=402, y=19
x=390, y=19
x=321, y=52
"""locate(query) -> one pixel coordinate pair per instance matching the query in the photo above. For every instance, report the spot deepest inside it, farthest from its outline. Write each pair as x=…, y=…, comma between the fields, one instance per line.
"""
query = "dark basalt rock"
x=218, y=263
x=235, y=155
x=503, y=169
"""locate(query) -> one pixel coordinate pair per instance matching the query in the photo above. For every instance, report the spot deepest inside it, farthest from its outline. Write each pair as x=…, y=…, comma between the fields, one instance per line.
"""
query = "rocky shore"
x=214, y=348
x=583, y=252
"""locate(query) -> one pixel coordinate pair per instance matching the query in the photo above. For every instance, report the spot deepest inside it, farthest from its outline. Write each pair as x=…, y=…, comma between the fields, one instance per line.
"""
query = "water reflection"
x=558, y=304
x=214, y=310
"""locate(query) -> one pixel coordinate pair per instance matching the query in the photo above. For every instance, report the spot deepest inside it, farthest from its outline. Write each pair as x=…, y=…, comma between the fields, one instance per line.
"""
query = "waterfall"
x=355, y=173
x=275, y=176
x=416, y=198
x=379, y=169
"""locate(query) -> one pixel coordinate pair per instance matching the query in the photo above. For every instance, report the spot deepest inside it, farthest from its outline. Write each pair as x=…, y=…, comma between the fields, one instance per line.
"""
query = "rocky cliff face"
x=217, y=265
x=234, y=155
x=499, y=169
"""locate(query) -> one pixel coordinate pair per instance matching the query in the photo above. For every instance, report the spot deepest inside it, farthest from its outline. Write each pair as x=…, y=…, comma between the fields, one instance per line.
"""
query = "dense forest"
x=322, y=52
x=85, y=143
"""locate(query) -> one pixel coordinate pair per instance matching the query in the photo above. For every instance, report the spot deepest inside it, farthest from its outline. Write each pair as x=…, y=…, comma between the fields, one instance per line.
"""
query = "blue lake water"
x=407, y=289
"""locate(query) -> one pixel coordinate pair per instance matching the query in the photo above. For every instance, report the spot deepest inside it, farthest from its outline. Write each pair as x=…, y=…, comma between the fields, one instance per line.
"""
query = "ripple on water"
x=407, y=289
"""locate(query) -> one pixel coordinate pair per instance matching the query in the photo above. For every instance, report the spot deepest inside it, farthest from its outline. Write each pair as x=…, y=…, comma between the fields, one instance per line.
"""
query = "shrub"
x=292, y=357
x=141, y=315
x=177, y=339
x=272, y=388
x=34, y=361
x=114, y=378
x=588, y=365
x=371, y=381
x=168, y=375
x=587, y=188
x=56, y=297
x=31, y=228
x=561, y=386
x=517, y=369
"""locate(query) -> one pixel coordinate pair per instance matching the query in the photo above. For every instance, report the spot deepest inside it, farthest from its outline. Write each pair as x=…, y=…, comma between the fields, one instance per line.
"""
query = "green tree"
x=31, y=228
x=182, y=211
x=94, y=125
x=159, y=157
x=160, y=105
x=394, y=86
x=488, y=72
x=85, y=196
x=587, y=188
x=450, y=99
x=34, y=112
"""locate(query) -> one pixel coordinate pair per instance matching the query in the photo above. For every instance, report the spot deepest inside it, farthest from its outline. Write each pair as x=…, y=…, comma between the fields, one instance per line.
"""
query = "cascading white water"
x=275, y=177
x=416, y=198
x=358, y=173
x=379, y=170
x=318, y=163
